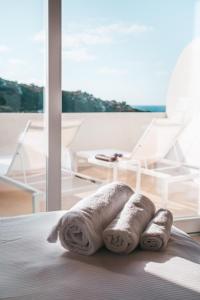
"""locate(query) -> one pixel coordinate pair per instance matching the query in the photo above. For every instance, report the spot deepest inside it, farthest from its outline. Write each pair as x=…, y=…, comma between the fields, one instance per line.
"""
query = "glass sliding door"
x=130, y=84
x=22, y=146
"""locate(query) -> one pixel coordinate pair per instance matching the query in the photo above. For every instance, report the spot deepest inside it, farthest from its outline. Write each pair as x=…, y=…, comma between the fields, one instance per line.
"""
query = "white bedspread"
x=33, y=269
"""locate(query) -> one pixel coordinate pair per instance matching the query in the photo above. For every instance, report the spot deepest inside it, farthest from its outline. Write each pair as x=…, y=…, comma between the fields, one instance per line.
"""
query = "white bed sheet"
x=30, y=268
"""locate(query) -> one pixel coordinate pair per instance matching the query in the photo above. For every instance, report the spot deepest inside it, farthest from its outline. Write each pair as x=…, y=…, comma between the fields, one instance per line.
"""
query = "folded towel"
x=157, y=233
x=123, y=234
x=81, y=228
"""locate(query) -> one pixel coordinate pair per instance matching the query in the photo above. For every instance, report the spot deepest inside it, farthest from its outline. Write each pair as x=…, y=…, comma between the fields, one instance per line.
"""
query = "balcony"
x=98, y=130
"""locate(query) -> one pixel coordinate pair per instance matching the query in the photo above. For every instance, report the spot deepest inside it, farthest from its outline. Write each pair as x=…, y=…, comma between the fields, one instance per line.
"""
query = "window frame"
x=53, y=102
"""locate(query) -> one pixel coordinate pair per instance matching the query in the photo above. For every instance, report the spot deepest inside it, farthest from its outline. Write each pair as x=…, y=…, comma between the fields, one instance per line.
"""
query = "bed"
x=30, y=268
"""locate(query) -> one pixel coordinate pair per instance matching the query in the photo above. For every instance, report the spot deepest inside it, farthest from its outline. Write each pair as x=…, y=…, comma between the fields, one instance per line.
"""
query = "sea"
x=150, y=108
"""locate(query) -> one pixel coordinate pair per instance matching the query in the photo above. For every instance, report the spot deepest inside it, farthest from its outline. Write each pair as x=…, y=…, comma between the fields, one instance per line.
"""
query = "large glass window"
x=22, y=149
x=132, y=56
x=130, y=96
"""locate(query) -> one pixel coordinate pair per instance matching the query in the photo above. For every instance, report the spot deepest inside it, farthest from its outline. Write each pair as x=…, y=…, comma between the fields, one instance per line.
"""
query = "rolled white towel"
x=123, y=234
x=81, y=228
x=156, y=235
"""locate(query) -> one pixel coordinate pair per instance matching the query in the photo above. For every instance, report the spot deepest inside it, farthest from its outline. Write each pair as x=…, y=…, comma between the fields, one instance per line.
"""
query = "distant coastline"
x=20, y=97
x=150, y=108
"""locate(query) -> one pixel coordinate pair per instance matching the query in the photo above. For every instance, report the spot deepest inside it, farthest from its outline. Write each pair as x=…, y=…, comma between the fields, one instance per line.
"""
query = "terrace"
x=183, y=198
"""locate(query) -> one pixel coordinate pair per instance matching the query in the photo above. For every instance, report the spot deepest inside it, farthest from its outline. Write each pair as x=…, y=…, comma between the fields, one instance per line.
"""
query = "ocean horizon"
x=150, y=108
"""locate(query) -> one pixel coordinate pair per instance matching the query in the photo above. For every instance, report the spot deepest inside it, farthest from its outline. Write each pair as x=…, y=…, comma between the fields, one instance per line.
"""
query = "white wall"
x=99, y=130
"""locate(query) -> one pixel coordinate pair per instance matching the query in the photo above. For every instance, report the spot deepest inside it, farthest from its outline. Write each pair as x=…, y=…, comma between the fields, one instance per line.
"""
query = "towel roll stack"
x=123, y=234
x=80, y=229
x=157, y=233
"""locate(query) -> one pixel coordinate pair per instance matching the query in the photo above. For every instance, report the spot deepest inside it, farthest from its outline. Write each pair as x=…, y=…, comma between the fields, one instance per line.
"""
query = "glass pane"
x=130, y=77
x=22, y=157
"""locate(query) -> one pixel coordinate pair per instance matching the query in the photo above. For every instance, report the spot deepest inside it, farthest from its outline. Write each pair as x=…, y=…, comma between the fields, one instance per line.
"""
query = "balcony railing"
x=98, y=131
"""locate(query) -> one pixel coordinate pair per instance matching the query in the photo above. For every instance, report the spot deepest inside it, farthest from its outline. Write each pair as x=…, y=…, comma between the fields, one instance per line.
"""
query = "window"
x=22, y=146
x=118, y=59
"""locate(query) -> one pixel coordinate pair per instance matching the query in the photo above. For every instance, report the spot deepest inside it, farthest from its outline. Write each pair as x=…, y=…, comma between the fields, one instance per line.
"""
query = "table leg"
x=165, y=192
x=138, y=179
x=115, y=173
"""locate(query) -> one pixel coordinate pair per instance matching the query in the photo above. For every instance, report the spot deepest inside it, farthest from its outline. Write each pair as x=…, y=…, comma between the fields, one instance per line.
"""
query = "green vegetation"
x=18, y=97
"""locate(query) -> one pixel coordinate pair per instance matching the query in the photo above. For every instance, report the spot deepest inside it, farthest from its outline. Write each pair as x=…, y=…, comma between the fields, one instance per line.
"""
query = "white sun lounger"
x=159, y=137
x=149, y=157
x=26, y=168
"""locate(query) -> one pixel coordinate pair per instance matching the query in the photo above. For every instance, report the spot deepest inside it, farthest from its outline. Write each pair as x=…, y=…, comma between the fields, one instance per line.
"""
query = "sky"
x=115, y=49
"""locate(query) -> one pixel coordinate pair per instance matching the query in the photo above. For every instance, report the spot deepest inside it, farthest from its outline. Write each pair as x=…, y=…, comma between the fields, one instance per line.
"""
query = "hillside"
x=19, y=97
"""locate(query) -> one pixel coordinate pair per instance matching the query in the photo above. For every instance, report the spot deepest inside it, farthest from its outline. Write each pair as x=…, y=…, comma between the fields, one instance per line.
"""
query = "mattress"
x=31, y=268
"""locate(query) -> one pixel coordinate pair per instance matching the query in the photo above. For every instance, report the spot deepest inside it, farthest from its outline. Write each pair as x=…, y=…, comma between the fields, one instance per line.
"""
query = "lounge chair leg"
x=198, y=198
x=33, y=203
x=165, y=193
x=23, y=167
x=138, y=179
x=145, y=164
x=75, y=164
